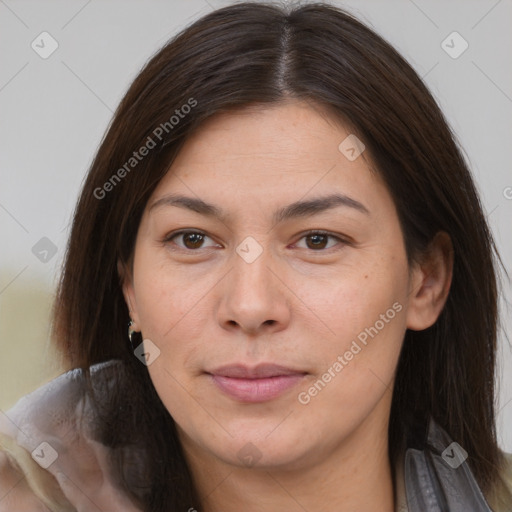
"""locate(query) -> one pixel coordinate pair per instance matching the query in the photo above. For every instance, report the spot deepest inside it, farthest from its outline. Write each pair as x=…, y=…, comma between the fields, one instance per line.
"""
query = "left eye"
x=319, y=240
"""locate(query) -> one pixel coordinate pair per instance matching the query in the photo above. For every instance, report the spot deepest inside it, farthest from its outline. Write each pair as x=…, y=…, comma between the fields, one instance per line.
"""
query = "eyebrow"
x=294, y=210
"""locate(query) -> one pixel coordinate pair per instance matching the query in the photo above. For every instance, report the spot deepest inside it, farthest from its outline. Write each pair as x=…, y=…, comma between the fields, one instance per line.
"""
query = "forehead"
x=272, y=155
x=289, y=131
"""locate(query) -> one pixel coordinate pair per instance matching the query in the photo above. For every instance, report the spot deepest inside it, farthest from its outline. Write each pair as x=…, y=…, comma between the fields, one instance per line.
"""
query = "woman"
x=281, y=216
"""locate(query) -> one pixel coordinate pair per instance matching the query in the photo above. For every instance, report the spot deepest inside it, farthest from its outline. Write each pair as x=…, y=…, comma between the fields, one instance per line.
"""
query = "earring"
x=131, y=333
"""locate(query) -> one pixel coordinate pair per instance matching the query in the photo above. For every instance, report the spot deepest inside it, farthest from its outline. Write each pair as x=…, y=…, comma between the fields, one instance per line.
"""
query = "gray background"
x=54, y=112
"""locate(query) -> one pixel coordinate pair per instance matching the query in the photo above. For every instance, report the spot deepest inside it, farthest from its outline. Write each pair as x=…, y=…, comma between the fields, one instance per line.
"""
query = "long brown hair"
x=258, y=54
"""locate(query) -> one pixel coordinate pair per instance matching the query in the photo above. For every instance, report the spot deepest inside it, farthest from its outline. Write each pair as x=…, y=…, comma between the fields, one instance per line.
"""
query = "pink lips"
x=258, y=384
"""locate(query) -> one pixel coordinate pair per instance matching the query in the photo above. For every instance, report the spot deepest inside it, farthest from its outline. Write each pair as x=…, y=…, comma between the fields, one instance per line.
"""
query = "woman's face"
x=277, y=345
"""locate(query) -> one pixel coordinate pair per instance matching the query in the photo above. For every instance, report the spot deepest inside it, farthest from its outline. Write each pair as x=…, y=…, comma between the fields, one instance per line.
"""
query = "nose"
x=254, y=299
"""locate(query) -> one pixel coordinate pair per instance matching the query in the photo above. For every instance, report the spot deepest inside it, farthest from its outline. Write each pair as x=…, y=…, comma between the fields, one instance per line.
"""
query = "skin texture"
x=296, y=305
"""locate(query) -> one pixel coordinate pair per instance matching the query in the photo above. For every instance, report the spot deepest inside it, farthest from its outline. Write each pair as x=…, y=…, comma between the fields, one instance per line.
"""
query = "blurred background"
x=65, y=67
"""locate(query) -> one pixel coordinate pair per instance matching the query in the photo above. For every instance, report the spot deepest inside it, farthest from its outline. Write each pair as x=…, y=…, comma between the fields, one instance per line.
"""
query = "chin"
x=257, y=449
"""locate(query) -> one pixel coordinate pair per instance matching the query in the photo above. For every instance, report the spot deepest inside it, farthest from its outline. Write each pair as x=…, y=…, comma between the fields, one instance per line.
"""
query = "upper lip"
x=261, y=371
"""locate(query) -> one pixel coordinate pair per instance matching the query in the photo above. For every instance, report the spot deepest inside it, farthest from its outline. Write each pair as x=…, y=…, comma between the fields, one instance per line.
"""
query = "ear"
x=430, y=283
x=126, y=280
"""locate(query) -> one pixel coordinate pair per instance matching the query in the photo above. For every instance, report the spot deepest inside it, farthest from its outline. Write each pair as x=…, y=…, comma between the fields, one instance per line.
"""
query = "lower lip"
x=256, y=390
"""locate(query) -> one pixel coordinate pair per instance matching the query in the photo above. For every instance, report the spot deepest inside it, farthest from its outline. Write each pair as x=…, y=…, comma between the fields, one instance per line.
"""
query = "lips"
x=257, y=384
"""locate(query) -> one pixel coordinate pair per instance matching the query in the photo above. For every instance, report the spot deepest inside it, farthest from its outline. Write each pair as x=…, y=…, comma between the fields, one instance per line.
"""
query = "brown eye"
x=318, y=240
x=190, y=240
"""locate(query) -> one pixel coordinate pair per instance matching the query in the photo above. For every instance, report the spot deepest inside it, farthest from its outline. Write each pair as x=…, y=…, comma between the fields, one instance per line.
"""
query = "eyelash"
x=175, y=234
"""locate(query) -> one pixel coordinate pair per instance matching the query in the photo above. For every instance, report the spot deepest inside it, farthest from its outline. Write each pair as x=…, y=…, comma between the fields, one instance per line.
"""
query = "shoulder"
x=500, y=497
x=507, y=469
x=56, y=406
x=48, y=442
x=422, y=472
x=15, y=494
x=25, y=486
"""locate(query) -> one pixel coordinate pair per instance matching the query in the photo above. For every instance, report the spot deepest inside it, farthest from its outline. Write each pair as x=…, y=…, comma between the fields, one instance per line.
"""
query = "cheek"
x=356, y=365
x=173, y=312
x=365, y=313
x=359, y=299
x=188, y=409
x=166, y=296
